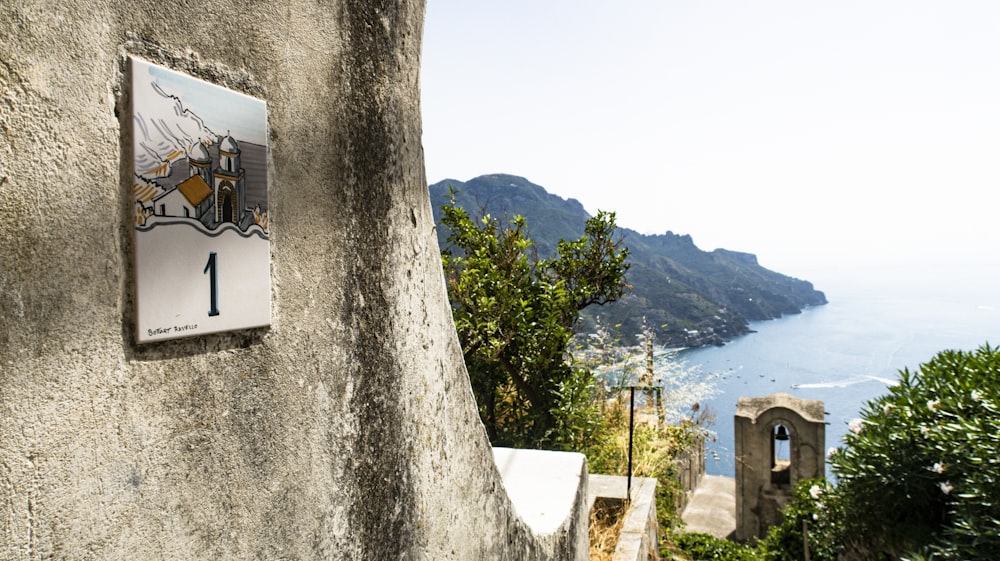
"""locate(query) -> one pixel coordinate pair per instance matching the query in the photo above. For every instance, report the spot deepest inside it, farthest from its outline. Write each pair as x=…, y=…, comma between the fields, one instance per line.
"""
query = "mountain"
x=164, y=130
x=688, y=296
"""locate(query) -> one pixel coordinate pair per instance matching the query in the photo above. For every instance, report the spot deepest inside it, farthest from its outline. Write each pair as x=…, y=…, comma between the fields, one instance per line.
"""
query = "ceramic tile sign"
x=199, y=183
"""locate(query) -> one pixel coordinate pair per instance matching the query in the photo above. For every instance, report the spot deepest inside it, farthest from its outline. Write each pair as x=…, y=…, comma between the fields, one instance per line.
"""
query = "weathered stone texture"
x=345, y=431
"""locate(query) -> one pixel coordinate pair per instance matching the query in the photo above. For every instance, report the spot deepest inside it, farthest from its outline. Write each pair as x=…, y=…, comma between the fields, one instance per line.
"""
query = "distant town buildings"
x=214, y=192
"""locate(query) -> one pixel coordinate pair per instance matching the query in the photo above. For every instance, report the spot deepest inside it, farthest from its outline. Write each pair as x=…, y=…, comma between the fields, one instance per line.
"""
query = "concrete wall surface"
x=690, y=464
x=639, y=536
x=549, y=492
x=347, y=430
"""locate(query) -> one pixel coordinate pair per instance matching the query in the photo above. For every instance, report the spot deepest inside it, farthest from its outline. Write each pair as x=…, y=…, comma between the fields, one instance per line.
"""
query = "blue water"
x=843, y=353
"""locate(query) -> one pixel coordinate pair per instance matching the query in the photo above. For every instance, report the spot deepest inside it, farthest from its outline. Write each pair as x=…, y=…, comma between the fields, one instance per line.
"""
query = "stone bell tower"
x=780, y=441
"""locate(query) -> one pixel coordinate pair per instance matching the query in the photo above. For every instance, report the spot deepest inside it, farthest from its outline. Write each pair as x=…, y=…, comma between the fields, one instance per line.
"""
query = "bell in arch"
x=781, y=433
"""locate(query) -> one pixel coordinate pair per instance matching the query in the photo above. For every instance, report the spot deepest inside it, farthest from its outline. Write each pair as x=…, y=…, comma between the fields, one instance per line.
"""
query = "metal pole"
x=631, y=425
x=805, y=538
x=661, y=416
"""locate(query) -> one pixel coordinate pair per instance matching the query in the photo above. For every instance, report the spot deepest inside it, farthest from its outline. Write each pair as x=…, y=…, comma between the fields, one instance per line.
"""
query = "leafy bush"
x=923, y=462
x=515, y=314
x=655, y=446
x=653, y=452
x=918, y=473
x=810, y=513
x=705, y=547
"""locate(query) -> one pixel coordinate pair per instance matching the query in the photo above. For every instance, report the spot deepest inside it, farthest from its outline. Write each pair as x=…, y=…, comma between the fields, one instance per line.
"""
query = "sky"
x=223, y=110
x=835, y=139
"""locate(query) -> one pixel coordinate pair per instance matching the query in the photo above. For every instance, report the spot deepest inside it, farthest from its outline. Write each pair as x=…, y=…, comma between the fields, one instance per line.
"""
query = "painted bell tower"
x=229, y=183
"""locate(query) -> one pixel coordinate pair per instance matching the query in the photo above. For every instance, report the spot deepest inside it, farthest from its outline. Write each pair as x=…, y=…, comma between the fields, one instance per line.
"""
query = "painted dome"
x=228, y=144
x=199, y=153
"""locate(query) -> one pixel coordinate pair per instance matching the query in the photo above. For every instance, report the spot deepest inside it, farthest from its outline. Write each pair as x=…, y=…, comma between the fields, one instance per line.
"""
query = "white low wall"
x=549, y=493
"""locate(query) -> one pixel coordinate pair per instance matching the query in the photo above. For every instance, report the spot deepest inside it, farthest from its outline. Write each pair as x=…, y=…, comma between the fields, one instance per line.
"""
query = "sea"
x=844, y=353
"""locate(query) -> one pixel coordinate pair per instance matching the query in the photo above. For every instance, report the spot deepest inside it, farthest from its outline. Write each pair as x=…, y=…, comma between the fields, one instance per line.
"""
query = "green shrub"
x=920, y=470
x=705, y=547
x=918, y=476
x=655, y=446
x=514, y=314
x=653, y=452
x=811, y=510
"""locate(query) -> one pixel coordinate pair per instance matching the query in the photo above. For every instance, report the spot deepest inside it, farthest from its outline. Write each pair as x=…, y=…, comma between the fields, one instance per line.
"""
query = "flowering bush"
x=918, y=474
x=811, y=512
x=706, y=547
x=923, y=474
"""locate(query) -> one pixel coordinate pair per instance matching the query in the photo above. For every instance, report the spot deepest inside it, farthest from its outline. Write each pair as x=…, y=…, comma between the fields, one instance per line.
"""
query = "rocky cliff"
x=690, y=297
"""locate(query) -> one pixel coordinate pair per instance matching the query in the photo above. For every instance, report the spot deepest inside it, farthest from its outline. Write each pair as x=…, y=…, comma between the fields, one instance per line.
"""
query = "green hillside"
x=689, y=296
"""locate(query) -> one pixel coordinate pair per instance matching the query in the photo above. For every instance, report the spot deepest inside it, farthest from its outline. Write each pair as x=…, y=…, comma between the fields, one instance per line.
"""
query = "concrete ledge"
x=549, y=493
x=639, y=539
x=712, y=509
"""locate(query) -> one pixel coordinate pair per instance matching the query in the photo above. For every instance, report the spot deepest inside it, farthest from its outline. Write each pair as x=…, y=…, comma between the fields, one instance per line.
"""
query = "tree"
x=515, y=314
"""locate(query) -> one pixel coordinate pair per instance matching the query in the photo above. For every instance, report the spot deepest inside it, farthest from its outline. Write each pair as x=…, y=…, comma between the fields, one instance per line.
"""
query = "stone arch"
x=226, y=202
x=783, y=438
x=764, y=480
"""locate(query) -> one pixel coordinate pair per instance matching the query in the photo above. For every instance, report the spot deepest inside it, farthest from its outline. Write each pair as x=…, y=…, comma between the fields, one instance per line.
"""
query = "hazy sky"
x=224, y=111
x=823, y=136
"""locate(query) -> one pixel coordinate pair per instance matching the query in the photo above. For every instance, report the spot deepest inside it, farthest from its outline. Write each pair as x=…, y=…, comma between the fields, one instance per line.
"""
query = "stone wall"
x=347, y=430
x=690, y=464
x=765, y=483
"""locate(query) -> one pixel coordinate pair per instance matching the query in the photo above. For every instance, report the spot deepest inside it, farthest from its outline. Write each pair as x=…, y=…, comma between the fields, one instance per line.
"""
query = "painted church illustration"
x=213, y=196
